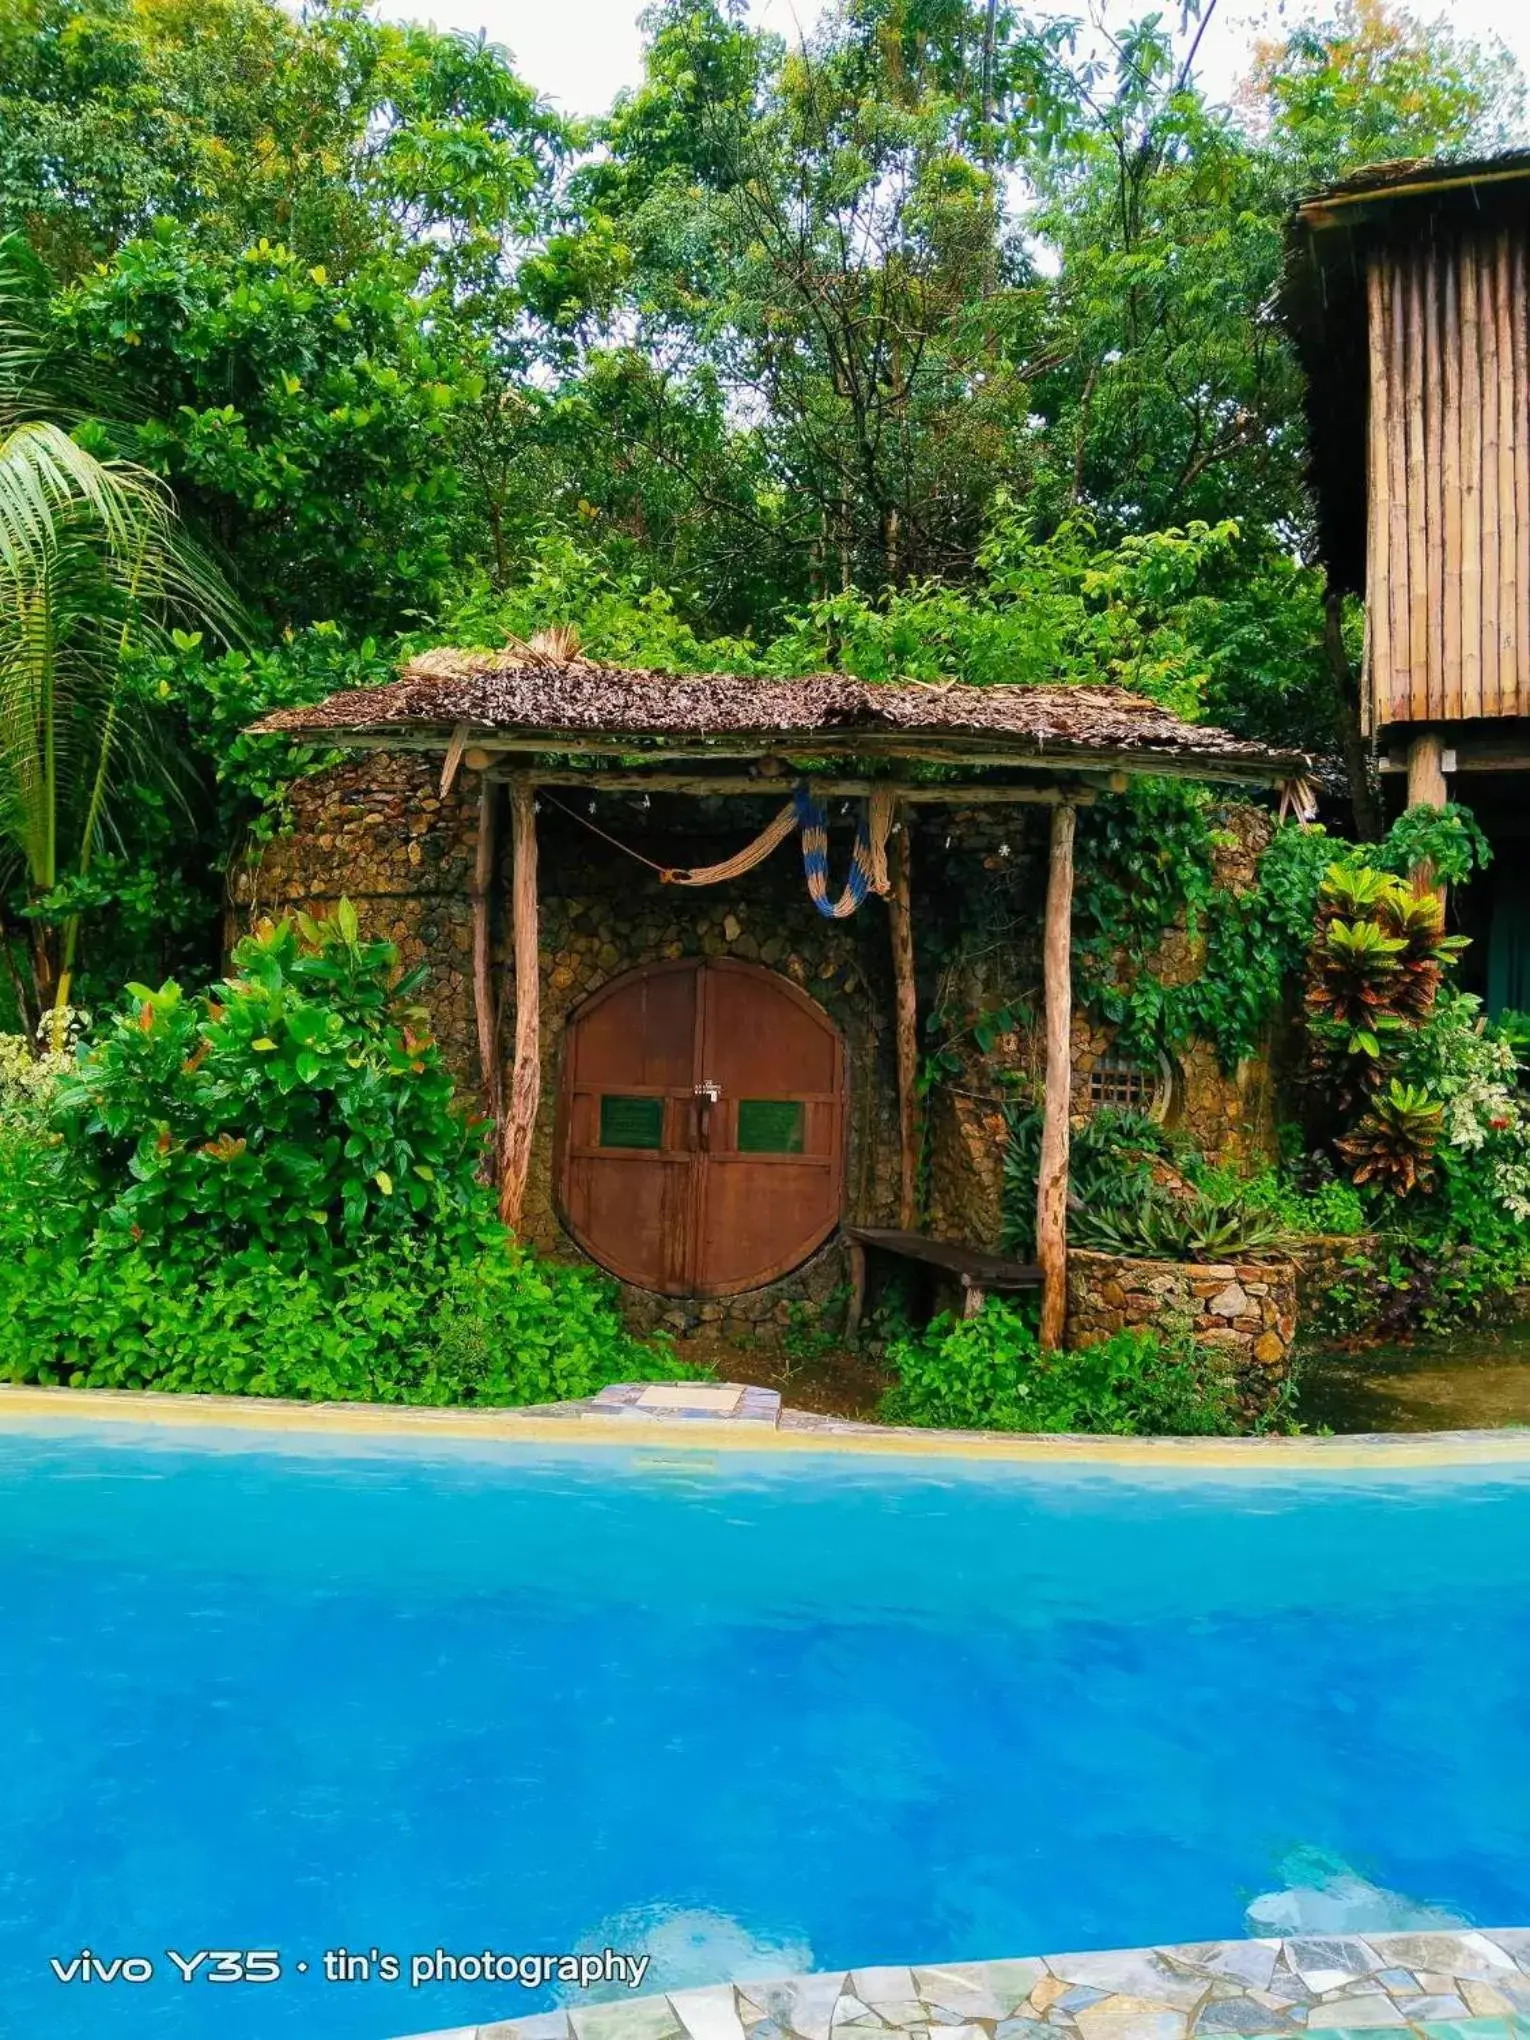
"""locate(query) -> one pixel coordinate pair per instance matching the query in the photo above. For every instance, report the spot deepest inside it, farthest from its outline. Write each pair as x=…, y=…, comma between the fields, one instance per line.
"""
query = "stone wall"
x=1243, y=1310
x=375, y=830
x=1231, y=1118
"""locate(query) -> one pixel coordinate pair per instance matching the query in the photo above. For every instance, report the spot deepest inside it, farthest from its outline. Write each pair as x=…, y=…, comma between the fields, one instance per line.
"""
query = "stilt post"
x=1052, y=1183
x=519, y=1122
x=1427, y=788
x=906, y=1013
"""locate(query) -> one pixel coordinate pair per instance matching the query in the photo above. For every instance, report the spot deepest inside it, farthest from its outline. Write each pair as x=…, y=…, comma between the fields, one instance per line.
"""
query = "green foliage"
x=988, y=1374
x=1146, y=861
x=299, y=1108
x=1460, y=1244
x=307, y=420
x=1446, y=839
x=403, y=1321
x=267, y=1191
x=1181, y=1224
x=1372, y=84
x=339, y=132
x=214, y=700
x=1111, y=1158
x=1328, y=1208
x=95, y=570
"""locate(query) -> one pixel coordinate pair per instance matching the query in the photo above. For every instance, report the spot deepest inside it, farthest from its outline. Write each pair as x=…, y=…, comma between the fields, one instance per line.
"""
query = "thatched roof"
x=541, y=703
x=1323, y=302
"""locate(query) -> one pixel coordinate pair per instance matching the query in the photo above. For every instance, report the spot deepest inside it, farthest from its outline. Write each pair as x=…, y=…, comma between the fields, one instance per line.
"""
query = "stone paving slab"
x=1443, y=1986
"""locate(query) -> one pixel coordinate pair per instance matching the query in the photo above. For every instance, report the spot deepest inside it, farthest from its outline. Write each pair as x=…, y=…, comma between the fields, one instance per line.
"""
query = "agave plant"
x=1190, y=1225
x=1393, y=1146
x=94, y=567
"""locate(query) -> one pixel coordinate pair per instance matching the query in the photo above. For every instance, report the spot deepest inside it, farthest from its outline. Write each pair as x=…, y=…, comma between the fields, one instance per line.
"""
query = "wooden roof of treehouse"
x=536, y=717
x=1405, y=290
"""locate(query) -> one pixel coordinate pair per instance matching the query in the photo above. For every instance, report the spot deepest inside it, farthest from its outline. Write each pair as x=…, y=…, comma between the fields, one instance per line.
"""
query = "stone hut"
x=697, y=1085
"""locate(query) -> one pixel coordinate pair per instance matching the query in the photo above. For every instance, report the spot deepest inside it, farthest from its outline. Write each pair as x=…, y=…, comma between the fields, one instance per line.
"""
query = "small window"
x=770, y=1126
x=1117, y=1083
x=631, y=1122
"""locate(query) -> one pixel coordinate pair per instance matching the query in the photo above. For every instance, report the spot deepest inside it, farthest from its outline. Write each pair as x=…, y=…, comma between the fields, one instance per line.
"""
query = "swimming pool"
x=751, y=1714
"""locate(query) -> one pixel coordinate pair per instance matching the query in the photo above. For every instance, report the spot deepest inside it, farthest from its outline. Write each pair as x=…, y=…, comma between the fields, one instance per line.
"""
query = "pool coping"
x=601, y=1421
x=1443, y=1984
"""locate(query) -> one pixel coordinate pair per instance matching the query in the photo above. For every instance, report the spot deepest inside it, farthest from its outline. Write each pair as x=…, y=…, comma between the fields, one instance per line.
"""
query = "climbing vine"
x=1147, y=862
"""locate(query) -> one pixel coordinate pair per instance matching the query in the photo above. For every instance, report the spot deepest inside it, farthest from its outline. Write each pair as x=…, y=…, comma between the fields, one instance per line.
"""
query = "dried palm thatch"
x=546, y=696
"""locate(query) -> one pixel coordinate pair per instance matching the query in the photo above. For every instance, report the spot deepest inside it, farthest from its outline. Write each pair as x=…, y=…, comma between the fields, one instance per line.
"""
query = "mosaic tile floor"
x=1446, y=1986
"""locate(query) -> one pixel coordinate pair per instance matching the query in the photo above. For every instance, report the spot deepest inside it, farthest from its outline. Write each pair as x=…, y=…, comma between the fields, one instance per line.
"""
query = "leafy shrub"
x=404, y=1322
x=1393, y=1143
x=267, y=1190
x=1327, y=1208
x=988, y=1373
x=300, y=1107
x=1377, y=960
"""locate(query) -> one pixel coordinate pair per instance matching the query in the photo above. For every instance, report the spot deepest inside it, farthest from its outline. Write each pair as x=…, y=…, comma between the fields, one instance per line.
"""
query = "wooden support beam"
x=906, y=1016
x=955, y=795
x=1052, y=1182
x=1426, y=788
x=805, y=758
x=519, y=1122
x=485, y=1012
x=1426, y=770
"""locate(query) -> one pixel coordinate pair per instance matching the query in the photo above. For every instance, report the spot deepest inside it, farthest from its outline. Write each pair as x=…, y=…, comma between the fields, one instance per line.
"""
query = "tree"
x=822, y=231
x=1372, y=83
x=339, y=135
x=306, y=422
x=93, y=568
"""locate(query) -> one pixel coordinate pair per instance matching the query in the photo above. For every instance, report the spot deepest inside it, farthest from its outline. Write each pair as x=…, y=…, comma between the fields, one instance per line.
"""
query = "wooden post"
x=901, y=923
x=519, y=1123
x=857, y=1308
x=1426, y=770
x=1426, y=788
x=484, y=1012
x=1052, y=1183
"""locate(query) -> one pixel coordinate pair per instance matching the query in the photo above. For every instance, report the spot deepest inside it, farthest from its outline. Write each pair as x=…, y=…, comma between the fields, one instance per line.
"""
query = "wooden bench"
x=977, y=1274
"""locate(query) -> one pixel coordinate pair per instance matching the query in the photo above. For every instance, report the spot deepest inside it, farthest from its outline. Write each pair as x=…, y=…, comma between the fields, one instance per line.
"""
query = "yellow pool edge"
x=1507, y=1447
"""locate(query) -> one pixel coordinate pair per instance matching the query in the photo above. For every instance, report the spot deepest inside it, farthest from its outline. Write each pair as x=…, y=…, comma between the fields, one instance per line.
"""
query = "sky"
x=580, y=53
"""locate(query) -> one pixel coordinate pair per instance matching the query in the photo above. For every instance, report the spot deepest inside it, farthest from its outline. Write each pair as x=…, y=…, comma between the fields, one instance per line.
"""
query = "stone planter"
x=1243, y=1310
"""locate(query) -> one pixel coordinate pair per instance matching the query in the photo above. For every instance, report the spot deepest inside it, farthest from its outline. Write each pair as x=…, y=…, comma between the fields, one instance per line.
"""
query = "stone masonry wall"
x=1244, y=1310
x=1230, y=1118
x=374, y=830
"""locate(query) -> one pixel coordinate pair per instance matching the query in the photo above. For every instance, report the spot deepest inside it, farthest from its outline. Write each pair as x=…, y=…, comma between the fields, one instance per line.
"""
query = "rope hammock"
x=805, y=813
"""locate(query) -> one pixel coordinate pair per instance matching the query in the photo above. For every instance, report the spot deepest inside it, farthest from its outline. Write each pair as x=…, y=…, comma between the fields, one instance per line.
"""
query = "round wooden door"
x=701, y=1127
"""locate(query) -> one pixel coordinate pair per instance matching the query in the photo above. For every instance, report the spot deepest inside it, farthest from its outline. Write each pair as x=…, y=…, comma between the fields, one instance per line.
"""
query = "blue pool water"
x=749, y=1715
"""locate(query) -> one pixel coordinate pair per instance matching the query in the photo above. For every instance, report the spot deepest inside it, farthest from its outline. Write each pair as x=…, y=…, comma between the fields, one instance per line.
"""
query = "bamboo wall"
x=1448, y=532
